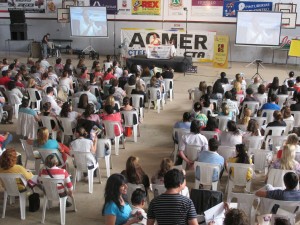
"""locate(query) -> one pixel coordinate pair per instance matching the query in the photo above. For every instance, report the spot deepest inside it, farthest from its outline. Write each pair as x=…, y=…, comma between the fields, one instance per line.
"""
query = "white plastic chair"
x=138, y=102
x=227, y=87
x=169, y=84
x=260, y=120
x=240, y=97
x=95, y=90
x=15, y=101
x=51, y=194
x=128, y=90
x=152, y=95
x=132, y=188
x=101, y=153
x=205, y=110
x=66, y=123
x=296, y=115
x=207, y=171
x=276, y=131
x=131, y=119
x=110, y=133
x=223, y=122
x=45, y=152
x=289, y=126
x=275, y=140
x=32, y=92
x=282, y=99
x=239, y=178
x=275, y=177
x=261, y=159
x=215, y=102
x=11, y=189
x=253, y=141
x=2, y=113
x=157, y=189
x=226, y=151
x=245, y=202
x=242, y=127
x=81, y=160
x=252, y=105
x=46, y=121
x=262, y=99
x=178, y=133
x=210, y=134
x=269, y=114
x=31, y=155
x=191, y=152
x=107, y=65
x=27, y=126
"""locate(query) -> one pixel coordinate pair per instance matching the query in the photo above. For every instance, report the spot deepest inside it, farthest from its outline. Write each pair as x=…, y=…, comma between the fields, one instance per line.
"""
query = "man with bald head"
x=255, y=84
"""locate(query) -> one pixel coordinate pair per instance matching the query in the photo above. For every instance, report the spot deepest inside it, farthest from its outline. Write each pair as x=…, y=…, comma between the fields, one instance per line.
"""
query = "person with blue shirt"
x=212, y=157
x=291, y=193
x=116, y=210
x=24, y=108
x=272, y=104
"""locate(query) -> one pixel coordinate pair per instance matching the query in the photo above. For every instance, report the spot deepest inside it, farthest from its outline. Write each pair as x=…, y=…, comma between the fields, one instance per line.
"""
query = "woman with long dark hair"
x=241, y=157
x=165, y=165
x=116, y=210
x=232, y=136
x=134, y=172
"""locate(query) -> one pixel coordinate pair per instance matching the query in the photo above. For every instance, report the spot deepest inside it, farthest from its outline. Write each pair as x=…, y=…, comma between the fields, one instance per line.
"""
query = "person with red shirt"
x=5, y=78
x=109, y=75
x=111, y=116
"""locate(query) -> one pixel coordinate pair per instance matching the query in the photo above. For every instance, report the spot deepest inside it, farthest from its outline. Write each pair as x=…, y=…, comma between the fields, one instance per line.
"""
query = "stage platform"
x=178, y=63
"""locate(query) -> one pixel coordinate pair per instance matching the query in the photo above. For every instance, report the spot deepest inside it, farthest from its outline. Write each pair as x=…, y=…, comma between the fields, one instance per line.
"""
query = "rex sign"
x=145, y=7
x=198, y=44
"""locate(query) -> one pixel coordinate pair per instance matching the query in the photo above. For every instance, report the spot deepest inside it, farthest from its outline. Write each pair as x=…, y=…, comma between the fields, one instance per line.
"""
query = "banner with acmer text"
x=198, y=44
x=145, y=7
x=221, y=51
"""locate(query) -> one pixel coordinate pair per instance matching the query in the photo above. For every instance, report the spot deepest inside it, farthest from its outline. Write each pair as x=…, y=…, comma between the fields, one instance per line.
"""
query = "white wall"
x=37, y=28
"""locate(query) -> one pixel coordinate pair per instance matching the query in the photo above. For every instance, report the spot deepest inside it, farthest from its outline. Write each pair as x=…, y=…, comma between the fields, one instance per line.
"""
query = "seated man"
x=212, y=157
x=291, y=193
x=272, y=104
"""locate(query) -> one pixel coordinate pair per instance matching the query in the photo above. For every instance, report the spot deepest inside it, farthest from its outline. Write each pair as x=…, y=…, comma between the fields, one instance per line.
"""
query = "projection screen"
x=258, y=28
x=88, y=21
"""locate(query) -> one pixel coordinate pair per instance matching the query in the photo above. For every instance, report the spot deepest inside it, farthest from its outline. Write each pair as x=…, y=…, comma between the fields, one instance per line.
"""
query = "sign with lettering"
x=111, y=5
x=196, y=44
x=145, y=7
x=231, y=8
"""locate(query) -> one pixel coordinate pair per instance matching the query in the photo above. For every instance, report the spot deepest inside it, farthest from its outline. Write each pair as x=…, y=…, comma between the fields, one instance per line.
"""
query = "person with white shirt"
x=44, y=63
x=118, y=70
x=50, y=98
x=193, y=138
x=231, y=137
x=11, y=86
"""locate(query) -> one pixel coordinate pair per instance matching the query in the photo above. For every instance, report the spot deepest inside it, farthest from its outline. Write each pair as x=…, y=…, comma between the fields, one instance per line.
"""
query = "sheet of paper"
x=216, y=214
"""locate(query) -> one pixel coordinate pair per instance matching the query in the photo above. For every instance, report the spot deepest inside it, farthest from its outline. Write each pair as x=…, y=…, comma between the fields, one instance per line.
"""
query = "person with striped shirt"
x=52, y=171
x=171, y=207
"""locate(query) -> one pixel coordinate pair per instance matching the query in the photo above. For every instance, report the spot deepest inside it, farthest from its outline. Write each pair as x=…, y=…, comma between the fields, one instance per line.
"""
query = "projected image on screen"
x=258, y=28
x=88, y=21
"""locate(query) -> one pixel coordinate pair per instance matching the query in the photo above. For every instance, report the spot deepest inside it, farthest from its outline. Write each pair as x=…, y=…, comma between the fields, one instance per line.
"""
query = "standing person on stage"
x=45, y=41
x=155, y=40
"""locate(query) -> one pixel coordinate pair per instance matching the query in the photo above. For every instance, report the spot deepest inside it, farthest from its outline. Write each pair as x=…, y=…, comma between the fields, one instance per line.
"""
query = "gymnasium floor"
x=154, y=144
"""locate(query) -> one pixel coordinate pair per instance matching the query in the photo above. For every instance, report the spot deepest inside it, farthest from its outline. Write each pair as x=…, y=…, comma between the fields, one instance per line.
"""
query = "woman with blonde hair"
x=32, y=84
x=292, y=139
x=238, y=87
x=165, y=165
x=287, y=161
x=134, y=173
x=247, y=116
x=225, y=110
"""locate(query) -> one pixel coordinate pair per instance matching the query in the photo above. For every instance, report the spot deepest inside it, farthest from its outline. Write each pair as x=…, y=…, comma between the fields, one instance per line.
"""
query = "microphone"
x=185, y=9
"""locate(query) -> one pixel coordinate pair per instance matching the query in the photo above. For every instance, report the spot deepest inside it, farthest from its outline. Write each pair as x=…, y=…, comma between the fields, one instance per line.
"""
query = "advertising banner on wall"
x=199, y=44
x=124, y=7
x=231, y=8
x=221, y=51
x=145, y=7
x=212, y=8
x=30, y=6
x=111, y=5
x=175, y=7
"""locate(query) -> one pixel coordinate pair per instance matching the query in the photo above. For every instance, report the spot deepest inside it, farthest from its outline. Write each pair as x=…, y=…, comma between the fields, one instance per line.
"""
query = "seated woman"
x=84, y=144
x=139, y=90
x=66, y=81
x=24, y=108
x=126, y=105
x=212, y=125
x=111, y=116
x=90, y=115
x=252, y=129
x=231, y=137
x=246, y=117
x=225, y=110
x=8, y=164
x=198, y=91
x=52, y=170
x=44, y=142
x=116, y=210
x=165, y=165
x=11, y=86
x=241, y=157
x=197, y=115
x=46, y=111
x=291, y=140
x=83, y=102
x=287, y=160
x=32, y=84
x=134, y=173
x=287, y=115
x=278, y=120
x=67, y=112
